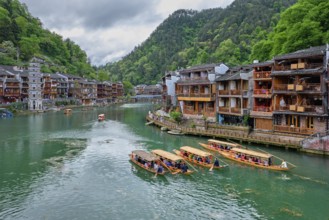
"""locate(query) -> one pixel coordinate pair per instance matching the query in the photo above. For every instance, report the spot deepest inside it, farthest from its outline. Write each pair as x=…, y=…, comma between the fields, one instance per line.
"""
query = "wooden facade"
x=262, y=110
x=233, y=94
x=299, y=93
x=196, y=91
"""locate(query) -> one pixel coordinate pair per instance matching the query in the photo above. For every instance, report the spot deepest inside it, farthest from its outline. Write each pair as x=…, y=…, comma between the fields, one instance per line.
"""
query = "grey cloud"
x=96, y=14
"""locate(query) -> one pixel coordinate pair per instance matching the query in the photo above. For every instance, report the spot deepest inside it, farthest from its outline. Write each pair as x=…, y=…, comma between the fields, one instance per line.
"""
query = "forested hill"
x=23, y=35
x=190, y=37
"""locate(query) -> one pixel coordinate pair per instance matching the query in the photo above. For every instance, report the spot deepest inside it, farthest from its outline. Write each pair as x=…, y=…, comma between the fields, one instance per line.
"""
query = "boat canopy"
x=223, y=142
x=196, y=151
x=251, y=153
x=167, y=155
x=145, y=155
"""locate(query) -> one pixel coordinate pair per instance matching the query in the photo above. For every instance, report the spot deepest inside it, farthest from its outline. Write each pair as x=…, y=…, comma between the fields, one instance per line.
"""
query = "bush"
x=177, y=116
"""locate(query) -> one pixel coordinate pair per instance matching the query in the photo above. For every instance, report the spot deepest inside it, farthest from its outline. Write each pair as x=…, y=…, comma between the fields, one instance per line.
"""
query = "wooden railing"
x=8, y=94
x=262, y=108
x=262, y=75
x=236, y=110
x=290, y=129
x=203, y=95
x=223, y=109
x=235, y=92
x=262, y=91
x=281, y=108
x=223, y=92
x=314, y=87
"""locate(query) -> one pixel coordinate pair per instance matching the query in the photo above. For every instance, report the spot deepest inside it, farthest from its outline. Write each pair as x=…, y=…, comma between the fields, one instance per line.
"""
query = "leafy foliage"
x=22, y=37
x=177, y=116
x=303, y=25
x=189, y=37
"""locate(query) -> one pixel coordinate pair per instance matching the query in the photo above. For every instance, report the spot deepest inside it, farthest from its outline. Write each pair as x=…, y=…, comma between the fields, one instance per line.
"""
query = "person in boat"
x=207, y=160
x=185, y=154
x=178, y=165
x=184, y=168
x=168, y=164
x=284, y=164
x=155, y=166
x=136, y=158
x=216, y=163
x=146, y=165
x=160, y=169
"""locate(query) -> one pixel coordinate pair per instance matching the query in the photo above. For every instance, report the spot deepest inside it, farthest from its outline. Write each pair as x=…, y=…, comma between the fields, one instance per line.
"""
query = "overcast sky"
x=109, y=29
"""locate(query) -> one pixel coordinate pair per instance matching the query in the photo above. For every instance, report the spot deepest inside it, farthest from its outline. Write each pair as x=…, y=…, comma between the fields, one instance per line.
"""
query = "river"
x=56, y=166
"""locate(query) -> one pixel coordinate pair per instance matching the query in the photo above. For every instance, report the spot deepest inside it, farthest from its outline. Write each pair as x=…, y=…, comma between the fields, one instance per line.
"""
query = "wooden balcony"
x=296, y=130
x=310, y=87
x=236, y=110
x=223, y=92
x=262, y=75
x=12, y=94
x=265, y=92
x=235, y=92
x=281, y=87
x=262, y=109
x=196, y=97
x=223, y=109
x=310, y=109
x=281, y=108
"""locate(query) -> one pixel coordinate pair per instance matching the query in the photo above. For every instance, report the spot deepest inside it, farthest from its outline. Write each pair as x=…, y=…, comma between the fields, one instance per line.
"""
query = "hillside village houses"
x=42, y=90
x=287, y=95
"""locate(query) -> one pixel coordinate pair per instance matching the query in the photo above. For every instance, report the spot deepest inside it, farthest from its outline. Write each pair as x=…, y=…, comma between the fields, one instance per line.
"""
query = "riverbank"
x=238, y=135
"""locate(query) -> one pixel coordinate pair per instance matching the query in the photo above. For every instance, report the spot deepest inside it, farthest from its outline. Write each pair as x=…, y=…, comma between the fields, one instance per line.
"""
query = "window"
x=309, y=122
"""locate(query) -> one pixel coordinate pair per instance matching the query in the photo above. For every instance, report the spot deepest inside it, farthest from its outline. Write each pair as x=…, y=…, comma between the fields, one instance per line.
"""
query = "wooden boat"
x=140, y=157
x=173, y=159
x=67, y=111
x=101, y=117
x=175, y=132
x=219, y=146
x=190, y=154
x=236, y=153
x=254, y=158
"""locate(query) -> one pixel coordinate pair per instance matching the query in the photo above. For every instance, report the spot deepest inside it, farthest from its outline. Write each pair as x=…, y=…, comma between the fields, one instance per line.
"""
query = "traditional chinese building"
x=168, y=90
x=234, y=95
x=300, y=94
x=262, y=110
x=196, y=90
x=35, y=87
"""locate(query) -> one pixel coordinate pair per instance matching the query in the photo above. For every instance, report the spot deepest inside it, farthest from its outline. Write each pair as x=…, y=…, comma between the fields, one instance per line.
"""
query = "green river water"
x=54, y=166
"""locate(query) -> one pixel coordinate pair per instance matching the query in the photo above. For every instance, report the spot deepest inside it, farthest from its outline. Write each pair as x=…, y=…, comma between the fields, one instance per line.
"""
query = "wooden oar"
x=212, y=167
x=173, y=173
x=188, y=163
x=278, y=157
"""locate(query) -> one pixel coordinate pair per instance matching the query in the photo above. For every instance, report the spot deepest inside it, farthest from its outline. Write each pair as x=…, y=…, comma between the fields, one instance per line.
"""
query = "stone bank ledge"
x=233, y=134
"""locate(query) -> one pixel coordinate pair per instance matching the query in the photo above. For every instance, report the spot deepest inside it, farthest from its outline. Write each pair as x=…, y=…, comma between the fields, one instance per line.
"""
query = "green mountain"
x=22, y=37
x=190, y=37
x=303, y=25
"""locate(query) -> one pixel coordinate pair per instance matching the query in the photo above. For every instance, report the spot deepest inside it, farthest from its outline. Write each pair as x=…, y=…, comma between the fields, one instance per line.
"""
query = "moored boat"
x=174, y=163
x=101, y=117
x=198, y=157
x=147, y=161
x=175, y=132
x=67, y=111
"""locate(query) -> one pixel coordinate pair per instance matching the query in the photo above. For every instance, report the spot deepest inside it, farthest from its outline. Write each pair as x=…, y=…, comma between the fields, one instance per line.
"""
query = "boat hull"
x=229, y=155
x=142, y=166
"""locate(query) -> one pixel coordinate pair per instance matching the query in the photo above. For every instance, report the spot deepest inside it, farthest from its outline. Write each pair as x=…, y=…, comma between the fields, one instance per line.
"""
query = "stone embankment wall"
x=229, y=133
x=316, y=144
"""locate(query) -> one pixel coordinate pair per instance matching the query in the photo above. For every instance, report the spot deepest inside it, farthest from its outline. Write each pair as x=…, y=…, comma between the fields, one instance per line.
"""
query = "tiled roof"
x=266, y=63
x=198, y=68
x=312, y=51
x=193, y=82
x=229, y=76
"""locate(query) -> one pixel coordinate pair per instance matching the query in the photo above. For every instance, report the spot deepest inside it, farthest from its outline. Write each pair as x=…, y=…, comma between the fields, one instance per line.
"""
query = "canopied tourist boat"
x=174, y=163
x=254, y=158
x=147, y=161
x=198, y=157
x=101, y=117
x=219, y=146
